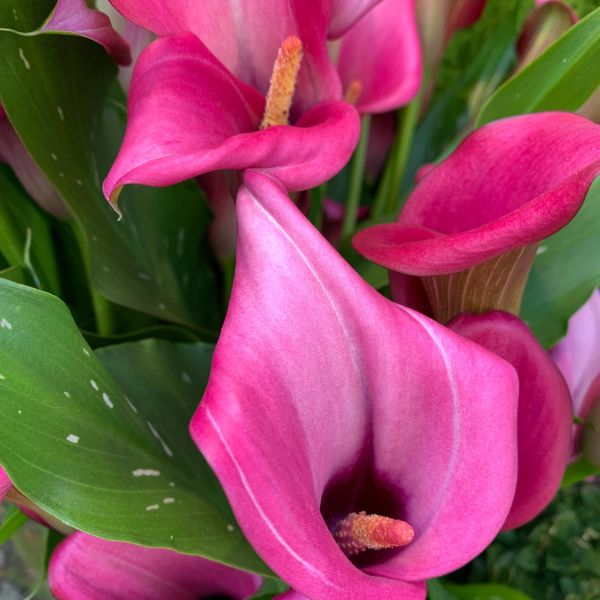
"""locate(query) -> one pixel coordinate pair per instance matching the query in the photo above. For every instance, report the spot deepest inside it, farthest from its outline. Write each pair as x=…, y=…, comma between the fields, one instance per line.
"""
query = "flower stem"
x=388, y=195
x=357, y=174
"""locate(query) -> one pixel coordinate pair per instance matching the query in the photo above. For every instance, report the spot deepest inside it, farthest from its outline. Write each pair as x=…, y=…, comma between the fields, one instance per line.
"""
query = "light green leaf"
x=577, y=471
x=565, y=272
x=485, y=591
x=155, y=260
x=562, y=78
x=101, y=441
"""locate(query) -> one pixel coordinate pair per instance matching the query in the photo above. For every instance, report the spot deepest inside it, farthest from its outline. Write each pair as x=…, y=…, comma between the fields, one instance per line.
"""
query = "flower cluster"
x=367, y=440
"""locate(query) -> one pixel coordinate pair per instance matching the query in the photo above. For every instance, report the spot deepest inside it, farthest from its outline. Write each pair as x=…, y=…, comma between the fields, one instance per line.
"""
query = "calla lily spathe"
x=361, y=405
x=84, y=567
x=508, y=185
x=545, y=416
x=198, y=95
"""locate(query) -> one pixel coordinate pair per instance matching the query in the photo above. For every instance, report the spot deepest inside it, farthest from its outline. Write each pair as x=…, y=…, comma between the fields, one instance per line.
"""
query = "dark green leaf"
x=24, y=16
x=484, y=591
x=23, y=223
x=53, y=88
x=562, y=78
x=565, y=272
x=101, y=442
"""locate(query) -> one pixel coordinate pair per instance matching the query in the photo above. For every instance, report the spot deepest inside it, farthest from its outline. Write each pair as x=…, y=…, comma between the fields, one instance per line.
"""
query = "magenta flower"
x=86, y=567
x=379, y=58
x=326, y=400
x=189, y=114
x=509, y=185
x=266, y=95
x=545, y=417
x=578, y=357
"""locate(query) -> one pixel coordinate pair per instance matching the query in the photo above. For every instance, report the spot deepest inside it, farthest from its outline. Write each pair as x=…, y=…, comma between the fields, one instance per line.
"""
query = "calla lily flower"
x=188, y=115
x=223, y=84
x=545, y=416
x=467, y=235
x=379, y=58
x=578, y=357
x=84, y=567
x=351, y=435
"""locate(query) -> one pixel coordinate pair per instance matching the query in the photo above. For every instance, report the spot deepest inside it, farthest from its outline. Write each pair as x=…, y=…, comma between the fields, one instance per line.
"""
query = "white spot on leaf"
x=25, y=61
x=5, y=324
x=107, y=400
x=146, y=473
x=94, y=384
x=168, y=500
x=152, y=507
x=72, y=438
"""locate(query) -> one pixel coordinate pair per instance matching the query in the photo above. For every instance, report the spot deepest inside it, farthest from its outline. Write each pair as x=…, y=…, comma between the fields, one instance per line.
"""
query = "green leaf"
x=155, y=260
x=16, y=274
x=453, y=110
x=485, y=591
x=24, y=16
x=13, y=522
x=436, y=591
x=101, y=442
x=562, y=78
x=22, y=221
x=577, y=471
x=565, y=272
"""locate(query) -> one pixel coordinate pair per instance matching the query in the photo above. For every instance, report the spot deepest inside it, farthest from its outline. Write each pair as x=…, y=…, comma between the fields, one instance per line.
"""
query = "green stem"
x=388, y=195
x=356, y=179
x=102, y=307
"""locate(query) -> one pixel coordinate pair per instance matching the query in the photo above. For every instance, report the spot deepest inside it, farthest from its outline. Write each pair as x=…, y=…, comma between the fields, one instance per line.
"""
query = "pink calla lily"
x=545, y=417
x=74, y=16
x=379, y=58
x=84, y=567
x=188, y=115
x=360, y=405
x=533, y=172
